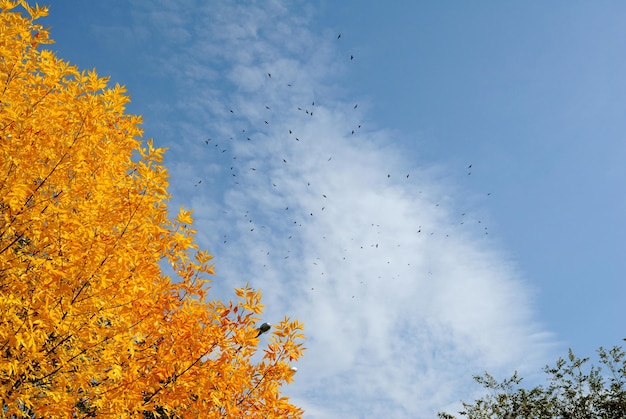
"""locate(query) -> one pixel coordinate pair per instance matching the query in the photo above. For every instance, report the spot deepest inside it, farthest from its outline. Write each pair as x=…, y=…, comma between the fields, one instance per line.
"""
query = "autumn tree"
x=575, y=391
x=90, y=322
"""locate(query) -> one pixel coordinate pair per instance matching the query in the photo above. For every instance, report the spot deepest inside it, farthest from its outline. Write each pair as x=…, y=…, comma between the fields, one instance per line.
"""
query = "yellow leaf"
x=86, y=301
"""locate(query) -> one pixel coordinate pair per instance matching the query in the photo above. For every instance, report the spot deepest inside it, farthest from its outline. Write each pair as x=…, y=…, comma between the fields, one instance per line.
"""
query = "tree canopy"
x=575, y=391
x=90, y=323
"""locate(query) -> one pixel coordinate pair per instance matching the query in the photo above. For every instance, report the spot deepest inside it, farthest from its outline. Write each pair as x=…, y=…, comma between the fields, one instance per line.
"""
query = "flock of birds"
x=287, y=219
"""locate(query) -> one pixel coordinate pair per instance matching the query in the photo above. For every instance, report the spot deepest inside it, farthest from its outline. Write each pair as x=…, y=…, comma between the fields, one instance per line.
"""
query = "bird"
x=265, y=327
x=338, y=36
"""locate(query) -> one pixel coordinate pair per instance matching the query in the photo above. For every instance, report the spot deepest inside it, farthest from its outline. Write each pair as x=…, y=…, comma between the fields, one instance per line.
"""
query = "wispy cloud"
x=303, y=196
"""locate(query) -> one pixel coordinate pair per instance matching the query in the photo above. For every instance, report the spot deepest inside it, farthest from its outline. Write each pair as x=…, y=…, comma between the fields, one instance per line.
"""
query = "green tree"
x=575, y=390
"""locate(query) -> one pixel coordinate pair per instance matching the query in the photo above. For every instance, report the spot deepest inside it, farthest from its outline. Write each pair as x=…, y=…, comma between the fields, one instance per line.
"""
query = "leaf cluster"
x=90, y=324
x=574, y=391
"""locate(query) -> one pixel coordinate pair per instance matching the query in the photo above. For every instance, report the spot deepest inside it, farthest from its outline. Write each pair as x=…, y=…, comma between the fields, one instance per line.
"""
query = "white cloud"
x=401, y=302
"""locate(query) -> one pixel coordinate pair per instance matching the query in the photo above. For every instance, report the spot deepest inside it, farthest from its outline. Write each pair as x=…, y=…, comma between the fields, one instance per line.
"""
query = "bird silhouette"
x=265, y=327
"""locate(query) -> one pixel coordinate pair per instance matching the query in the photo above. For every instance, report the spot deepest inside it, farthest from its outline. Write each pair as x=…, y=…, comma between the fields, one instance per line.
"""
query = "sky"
x=435, y=189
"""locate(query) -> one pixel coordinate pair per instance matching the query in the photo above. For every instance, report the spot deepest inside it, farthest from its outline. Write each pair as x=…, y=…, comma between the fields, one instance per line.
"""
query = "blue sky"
x=411, y=270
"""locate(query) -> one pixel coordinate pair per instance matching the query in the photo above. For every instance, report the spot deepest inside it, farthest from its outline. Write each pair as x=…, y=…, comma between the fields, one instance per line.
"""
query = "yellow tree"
x=90, y=325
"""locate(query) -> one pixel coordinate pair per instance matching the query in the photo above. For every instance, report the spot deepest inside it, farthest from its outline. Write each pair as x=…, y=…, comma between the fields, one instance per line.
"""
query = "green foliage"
x=574, y=391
